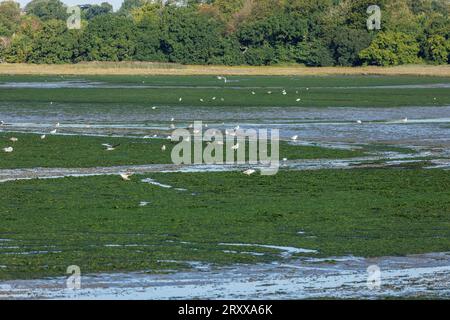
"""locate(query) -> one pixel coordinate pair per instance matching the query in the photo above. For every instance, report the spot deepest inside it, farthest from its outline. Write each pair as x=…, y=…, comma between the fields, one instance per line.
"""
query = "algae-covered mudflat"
x=366, y=177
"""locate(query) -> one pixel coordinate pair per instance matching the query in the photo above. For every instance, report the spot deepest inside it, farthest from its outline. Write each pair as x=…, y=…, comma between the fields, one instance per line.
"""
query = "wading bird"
x=359, y=122
x=43, y=137
x=53, y=131
x=8, y=149
x=163, y=148
x=222, y=78
x=13, y=139
x=126, y=176
x=249, y=172
x=109, y=147
x=294, y=137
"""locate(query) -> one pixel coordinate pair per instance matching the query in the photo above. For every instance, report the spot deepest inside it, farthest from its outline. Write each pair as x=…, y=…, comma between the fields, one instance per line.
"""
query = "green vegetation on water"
x=98, y=224
x=61, y=151
x=165, y=91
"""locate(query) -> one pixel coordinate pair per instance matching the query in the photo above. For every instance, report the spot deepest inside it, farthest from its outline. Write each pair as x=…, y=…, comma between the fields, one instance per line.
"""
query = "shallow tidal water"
x=419, y=275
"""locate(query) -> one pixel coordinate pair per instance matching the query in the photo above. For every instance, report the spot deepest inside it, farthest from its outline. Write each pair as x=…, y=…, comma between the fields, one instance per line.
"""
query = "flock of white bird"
x=14, y=139
x=126, y=176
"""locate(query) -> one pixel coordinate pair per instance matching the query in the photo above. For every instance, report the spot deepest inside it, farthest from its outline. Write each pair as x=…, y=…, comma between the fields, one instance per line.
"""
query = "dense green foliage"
x=263, y=32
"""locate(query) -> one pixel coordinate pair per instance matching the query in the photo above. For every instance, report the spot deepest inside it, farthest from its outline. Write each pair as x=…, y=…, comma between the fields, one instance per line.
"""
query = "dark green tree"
x=108, y=38
x=47, y=9
x=54, y=43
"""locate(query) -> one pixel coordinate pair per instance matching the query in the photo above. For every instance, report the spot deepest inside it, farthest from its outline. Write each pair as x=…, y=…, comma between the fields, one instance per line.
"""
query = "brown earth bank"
x=148, y=68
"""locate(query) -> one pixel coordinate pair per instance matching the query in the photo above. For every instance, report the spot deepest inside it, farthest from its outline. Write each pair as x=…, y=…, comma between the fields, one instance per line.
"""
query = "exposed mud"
x=426, y=275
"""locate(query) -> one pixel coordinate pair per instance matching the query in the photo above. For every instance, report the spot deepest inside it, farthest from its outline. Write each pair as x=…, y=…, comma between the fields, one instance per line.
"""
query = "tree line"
x=229, y=32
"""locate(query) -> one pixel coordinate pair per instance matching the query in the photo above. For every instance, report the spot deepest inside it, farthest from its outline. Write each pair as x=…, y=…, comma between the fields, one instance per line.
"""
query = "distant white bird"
x=294, y=137
x=359, y=122
x=214, y=98
x=143, y=203
x=13, y=139
x=201, y=100
x=172, y=119
x=181, y=99
x=249, y=172
x=307, y=89
x=163, y=148
x=253, y=92
x=222, y=78
x=405, y=120
x=53, y=131
x=237, y=127
x=284, y=92
x=235, y=147
x=153, y=108
x=126, y=176
x=43, y=137
x=109, y=147
x=284, y=159
x=269, y=92
x=57, y=124
x=8, y=149
x=298, y=100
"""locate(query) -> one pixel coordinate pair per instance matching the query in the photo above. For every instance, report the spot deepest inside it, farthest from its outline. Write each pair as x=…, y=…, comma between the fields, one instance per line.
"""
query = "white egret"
x=53, y=131
x=109, y=147
x=222, y=78
x=43, y=137
x=359, y=121
x=294, y=137
x=163, y=148
x=13, y=139
x=249, y=172
x=8, y=149
x=126, y=176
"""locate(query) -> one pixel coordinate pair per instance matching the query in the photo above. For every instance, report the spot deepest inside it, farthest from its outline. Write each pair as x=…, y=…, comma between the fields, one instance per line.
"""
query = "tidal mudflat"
x=366, y=183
